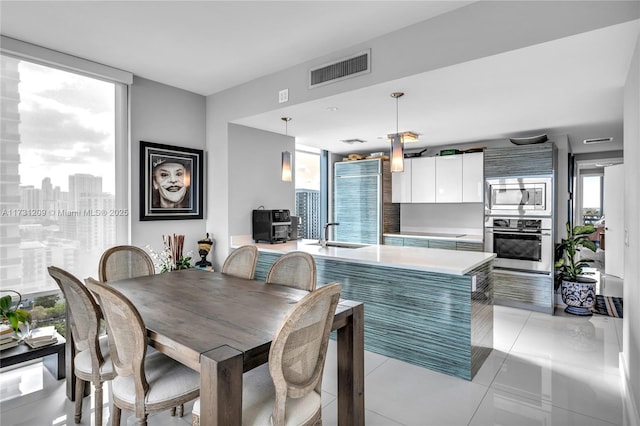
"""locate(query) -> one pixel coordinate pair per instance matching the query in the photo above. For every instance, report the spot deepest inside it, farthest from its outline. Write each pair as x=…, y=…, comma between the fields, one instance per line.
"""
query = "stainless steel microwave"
x=519, y=196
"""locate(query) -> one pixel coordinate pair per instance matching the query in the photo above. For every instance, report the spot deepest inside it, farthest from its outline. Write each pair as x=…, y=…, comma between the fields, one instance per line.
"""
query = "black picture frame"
x=177, y=167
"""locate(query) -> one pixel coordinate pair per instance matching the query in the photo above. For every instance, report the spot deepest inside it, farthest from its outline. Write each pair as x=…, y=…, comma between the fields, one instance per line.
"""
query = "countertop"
x=467, y=238
x=454, y=262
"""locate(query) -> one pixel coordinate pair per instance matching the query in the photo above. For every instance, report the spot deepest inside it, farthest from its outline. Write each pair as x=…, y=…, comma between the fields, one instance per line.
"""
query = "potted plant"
x=171, y=257
x=578, y=292
x=13, y=315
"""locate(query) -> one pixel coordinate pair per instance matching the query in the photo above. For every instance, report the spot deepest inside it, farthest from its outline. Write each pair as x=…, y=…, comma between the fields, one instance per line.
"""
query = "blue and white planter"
x=579, y=296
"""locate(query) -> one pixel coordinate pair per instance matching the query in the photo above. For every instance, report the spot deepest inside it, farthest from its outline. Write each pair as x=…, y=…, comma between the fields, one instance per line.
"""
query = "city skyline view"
x=66, y=123
x=57, y=176
x=54, y=185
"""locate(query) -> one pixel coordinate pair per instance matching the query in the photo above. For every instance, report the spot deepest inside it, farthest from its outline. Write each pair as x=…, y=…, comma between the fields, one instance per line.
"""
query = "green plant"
x=184, y=262
x=13, y=315
x=46, y=301
x=164, y=260
x=569, y=267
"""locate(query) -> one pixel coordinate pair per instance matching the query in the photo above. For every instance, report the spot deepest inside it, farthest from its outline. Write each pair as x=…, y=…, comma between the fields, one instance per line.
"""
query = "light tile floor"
x=544, y=370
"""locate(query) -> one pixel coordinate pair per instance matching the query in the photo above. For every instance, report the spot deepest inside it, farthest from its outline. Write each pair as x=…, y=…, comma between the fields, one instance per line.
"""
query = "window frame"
x=122, y=81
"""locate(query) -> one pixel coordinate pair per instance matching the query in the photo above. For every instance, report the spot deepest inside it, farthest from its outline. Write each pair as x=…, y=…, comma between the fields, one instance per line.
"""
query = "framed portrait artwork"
x=171, y=180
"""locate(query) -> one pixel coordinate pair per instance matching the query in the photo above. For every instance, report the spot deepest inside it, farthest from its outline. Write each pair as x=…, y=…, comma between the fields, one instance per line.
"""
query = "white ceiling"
x=207, y=46
x=572, y=85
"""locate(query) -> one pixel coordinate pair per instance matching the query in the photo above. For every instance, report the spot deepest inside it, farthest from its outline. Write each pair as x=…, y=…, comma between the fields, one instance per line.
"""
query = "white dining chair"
x=288, y=390
x=145, y=382
x=92, y=361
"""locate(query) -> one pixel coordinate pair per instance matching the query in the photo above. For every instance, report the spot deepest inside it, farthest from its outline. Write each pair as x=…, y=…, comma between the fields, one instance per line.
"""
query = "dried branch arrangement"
x=175, y=244
x=171, y=257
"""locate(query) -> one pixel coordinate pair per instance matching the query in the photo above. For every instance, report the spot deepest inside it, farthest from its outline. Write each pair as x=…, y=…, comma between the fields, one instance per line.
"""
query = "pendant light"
x=397, y=145
x=286, y=155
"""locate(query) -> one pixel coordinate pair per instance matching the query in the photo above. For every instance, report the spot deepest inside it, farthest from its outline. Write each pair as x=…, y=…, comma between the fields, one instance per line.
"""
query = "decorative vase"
x=579, y=296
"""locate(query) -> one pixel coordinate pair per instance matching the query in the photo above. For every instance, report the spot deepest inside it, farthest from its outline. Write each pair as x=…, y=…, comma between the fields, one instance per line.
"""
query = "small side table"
x=53, y=356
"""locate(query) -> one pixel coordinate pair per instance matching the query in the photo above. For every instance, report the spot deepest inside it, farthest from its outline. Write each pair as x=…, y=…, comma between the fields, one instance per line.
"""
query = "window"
x=591, y=210
x=308, y=191
x=61, y=186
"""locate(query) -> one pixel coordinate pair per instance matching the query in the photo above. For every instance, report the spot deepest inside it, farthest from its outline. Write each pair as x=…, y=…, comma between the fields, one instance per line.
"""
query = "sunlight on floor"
x=21, y=381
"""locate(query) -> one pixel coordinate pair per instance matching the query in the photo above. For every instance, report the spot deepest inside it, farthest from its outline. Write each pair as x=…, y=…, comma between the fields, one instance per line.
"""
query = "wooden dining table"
x=222, y=326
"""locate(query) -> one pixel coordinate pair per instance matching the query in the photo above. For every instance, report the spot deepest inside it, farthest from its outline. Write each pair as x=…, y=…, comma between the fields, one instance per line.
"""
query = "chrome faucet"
x=323, y=242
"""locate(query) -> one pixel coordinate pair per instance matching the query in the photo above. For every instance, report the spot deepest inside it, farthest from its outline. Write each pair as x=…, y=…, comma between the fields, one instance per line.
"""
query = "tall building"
x=85, y=223
x=30, y=198
x=82, y=188
x=34, y=267
x=308, y=209
x=10, y=254
x=47, y=194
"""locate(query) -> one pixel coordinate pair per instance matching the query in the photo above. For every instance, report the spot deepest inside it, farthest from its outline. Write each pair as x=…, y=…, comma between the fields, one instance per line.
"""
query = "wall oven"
x=525, y=196
x=520, y=244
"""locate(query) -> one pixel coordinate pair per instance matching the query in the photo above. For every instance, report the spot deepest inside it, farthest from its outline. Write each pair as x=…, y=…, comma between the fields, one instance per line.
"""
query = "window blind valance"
x=42, y=55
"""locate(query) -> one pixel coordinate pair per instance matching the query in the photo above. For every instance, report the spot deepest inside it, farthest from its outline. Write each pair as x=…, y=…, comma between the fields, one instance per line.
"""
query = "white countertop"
x=467, y=238
x=452, y=262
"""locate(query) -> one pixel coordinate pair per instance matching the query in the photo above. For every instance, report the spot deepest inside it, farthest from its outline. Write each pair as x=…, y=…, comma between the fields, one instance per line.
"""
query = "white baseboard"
x=630, y=409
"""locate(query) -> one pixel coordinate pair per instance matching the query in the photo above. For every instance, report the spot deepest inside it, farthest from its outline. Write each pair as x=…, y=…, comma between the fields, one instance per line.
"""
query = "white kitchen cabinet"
x=472, y=177
x=423, y=180
x=401, y=184
x=444, y=179
x=449, y=179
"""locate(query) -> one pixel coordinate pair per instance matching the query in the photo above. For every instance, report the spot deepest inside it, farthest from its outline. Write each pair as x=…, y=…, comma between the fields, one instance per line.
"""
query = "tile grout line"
x=486, y=392
x=380, y=365
x=518, y=334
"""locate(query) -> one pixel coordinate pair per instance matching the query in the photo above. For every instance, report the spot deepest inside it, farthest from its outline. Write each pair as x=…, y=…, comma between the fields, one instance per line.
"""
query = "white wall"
x=631, y=321
x=255, y=179
x=164, y=114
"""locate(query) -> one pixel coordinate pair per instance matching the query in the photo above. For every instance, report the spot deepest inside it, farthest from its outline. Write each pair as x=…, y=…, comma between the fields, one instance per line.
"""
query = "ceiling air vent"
x=596, y=140
x=352, y=141
x=352, y=66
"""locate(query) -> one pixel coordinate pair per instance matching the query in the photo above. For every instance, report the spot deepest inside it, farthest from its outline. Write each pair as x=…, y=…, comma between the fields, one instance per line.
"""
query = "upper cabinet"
x=473, y=177
x=423, y=180
x=522, y=160
x=401, y=184
x=442, y=179
x=449, y=179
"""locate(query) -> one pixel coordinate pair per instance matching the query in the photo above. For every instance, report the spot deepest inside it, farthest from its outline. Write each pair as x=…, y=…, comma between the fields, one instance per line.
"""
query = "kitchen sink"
x=340, y=245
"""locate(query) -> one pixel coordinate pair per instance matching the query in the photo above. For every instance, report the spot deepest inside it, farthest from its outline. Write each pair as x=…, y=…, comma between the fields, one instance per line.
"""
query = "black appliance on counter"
x=271, y=226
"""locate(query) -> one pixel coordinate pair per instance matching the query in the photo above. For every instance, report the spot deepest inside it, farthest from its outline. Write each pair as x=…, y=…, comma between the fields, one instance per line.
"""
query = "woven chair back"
x=295, y=269
x=125, y=261
x=85, y=312
x=127, y=334
x=298, y=351
x=241, y=262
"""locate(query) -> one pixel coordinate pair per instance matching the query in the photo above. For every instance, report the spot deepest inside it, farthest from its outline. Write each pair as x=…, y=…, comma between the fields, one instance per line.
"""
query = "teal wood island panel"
x=428, y=319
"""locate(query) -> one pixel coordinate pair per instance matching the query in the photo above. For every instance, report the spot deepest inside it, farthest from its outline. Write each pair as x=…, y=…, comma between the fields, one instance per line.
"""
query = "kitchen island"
x=428, y=307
